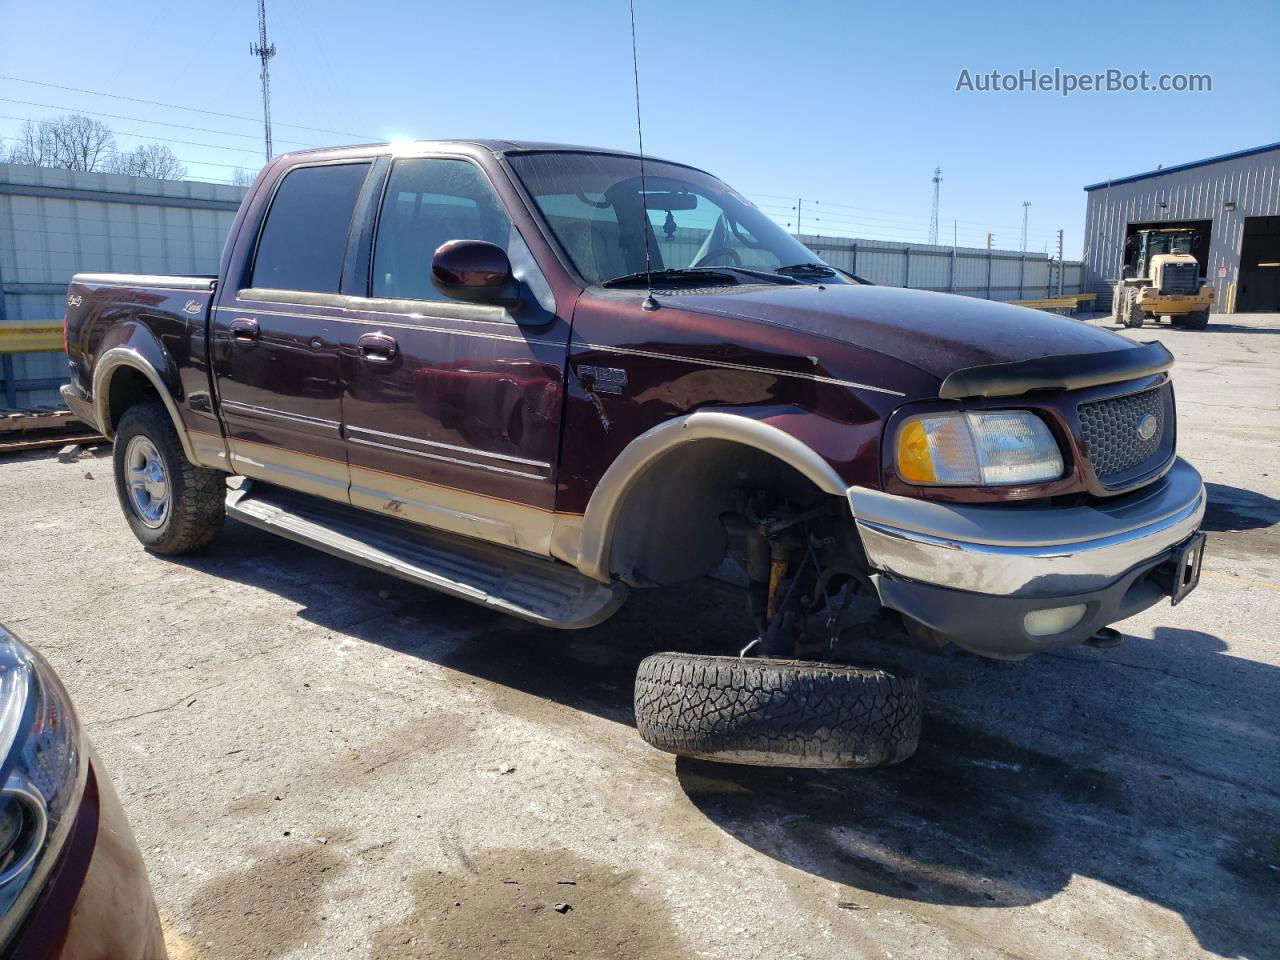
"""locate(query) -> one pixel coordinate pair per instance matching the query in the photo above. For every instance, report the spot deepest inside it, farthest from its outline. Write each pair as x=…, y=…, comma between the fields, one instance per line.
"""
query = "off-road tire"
x=1196, y=320
x=782, y=713
x=197, y=496
x=1133, y=315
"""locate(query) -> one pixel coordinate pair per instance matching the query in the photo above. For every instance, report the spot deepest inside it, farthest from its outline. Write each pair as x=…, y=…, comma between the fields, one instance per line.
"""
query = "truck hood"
x=936, y=333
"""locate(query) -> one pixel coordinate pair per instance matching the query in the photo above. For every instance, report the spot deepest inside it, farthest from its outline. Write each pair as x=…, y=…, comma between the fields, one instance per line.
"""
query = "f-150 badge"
x=603, y=379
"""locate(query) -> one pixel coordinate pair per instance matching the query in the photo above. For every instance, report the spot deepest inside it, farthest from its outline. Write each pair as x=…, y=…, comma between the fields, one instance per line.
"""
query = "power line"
x=148, y=136
x=914, y=230
x=984, y=224
x=207, y=163
x=178, y=106
x=161, y=123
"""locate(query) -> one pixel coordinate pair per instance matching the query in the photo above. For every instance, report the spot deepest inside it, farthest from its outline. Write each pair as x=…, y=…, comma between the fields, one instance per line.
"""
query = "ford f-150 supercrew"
x=538, y=377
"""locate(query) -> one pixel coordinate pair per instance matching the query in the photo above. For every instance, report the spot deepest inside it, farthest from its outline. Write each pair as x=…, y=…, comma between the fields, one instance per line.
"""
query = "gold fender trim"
x=606, y=502
x=112, y=361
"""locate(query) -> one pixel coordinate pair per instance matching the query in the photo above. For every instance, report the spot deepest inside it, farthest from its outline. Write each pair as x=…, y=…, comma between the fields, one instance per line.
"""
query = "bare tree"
x=150, y=160
x=80, y=142
x=240, y=177
x=34, y=146
x=74, y=142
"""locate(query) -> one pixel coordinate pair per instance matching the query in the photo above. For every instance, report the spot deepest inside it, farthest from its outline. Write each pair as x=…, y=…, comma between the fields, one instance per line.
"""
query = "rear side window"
x=430, y=201
x=305, y=235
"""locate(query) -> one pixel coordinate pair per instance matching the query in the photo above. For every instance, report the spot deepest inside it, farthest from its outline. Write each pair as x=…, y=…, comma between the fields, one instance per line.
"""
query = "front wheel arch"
x=655, y=513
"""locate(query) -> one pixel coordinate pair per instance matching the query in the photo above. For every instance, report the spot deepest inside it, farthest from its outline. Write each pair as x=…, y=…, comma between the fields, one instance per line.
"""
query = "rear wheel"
x=172, y=506
x=788, y=713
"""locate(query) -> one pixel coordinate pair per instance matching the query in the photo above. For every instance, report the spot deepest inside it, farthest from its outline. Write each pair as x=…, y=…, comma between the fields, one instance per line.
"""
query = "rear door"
x=275, y=340
x=452, y=410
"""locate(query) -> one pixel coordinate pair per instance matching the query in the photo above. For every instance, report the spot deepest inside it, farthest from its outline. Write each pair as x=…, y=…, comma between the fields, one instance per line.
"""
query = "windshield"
x=1159, y=243
x=592, y=204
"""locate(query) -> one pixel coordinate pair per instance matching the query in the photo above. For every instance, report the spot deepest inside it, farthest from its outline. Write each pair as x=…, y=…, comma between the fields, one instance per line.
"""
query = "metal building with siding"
x=1233, y=200
x=54, y=223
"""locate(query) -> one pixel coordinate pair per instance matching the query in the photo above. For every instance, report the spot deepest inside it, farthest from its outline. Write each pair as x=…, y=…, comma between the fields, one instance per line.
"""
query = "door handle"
x=378, y=347
x=244, y=330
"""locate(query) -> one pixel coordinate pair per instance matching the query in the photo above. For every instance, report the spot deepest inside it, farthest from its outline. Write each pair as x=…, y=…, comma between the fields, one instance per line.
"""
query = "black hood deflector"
x=1056, y=373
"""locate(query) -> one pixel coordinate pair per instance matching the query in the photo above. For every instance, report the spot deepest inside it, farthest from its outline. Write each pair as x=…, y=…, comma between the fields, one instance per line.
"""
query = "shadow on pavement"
x=1216, y=327
x=1235, y=508
x=1154, y=767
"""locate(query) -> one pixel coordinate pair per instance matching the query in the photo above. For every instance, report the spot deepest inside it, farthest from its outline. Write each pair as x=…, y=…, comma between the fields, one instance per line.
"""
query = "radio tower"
x=264, y=51
x=933, y=218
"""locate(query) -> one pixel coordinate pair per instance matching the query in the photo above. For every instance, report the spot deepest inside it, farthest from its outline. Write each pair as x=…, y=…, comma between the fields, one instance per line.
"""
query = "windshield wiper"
x=806, y=270
x=689, y=275
x=769, y=276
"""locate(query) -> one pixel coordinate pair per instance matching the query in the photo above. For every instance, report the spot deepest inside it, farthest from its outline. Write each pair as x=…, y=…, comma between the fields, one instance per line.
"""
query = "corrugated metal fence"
x=54, y=223
x=972, y=272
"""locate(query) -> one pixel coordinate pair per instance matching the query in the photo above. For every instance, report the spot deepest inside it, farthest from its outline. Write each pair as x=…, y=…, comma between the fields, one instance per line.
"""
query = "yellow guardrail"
x=44, y=338
x=1069, y=302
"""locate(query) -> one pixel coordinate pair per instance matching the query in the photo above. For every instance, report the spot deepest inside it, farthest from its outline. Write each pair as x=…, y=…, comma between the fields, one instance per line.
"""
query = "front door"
x=276, y=341
x=452, y=410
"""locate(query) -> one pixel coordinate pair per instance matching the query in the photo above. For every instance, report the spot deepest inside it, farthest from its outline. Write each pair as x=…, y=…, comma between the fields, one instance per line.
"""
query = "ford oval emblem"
x=1148, y=426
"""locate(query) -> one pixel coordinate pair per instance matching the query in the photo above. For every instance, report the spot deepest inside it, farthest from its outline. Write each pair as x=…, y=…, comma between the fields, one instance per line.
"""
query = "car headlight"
x=977, y=449
x=43, y=764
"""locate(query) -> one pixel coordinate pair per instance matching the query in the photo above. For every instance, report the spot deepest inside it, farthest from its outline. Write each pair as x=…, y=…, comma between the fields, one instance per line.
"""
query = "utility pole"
x=990, y=237
x=1062, y=267
x=1026, y=208
x=799, y=214
x=933, y=217
x=264, y=51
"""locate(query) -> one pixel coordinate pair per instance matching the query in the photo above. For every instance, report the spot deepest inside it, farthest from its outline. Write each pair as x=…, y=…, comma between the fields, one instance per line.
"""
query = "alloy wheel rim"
x=148, y=481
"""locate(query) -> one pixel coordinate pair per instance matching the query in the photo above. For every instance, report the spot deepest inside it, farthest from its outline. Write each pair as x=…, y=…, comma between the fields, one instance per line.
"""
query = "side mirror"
x=475, y=272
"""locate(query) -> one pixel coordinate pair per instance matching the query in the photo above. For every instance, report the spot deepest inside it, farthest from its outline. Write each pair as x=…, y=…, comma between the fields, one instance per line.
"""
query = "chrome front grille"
x=1180, y=278
x=1112, y=431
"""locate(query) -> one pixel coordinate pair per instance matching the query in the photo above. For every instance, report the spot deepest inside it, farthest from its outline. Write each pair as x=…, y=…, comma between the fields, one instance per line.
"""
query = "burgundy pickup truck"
x=538, y=377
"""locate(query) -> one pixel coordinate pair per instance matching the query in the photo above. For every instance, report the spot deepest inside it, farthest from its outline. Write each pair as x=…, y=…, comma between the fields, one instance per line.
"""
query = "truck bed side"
x=133, y=334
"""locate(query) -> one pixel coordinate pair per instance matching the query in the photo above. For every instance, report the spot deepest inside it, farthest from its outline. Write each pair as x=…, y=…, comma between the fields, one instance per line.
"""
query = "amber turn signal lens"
x=915, y=463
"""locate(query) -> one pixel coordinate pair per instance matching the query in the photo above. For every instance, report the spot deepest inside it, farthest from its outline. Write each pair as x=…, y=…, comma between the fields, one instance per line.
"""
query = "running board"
x=540, y=590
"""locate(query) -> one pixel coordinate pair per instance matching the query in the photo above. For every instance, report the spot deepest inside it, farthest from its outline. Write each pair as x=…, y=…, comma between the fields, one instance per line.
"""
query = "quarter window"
x=428, y=202
x=305, y=236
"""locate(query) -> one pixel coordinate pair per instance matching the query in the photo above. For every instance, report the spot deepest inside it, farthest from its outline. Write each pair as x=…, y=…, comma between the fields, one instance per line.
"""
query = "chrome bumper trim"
x=1027, y=551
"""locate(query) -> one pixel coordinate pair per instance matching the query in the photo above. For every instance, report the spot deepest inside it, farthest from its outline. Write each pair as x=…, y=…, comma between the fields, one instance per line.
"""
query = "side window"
x=305, y=236
x=429, y=202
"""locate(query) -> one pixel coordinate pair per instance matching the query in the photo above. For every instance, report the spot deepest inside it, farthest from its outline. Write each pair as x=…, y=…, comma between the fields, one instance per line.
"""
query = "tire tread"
x=777, y=713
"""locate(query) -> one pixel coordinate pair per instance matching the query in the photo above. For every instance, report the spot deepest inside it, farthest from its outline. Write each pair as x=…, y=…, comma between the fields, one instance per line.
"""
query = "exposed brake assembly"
x=792, y=560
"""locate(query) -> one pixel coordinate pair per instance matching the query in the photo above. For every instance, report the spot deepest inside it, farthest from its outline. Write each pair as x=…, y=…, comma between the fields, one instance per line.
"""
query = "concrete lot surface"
x=320, y=761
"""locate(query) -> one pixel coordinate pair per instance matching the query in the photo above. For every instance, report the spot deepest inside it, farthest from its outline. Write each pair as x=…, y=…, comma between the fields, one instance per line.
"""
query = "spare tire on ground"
x=783, y=713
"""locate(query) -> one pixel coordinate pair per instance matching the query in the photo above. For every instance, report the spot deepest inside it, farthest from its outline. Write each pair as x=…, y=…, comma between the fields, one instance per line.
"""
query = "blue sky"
x=848, y=105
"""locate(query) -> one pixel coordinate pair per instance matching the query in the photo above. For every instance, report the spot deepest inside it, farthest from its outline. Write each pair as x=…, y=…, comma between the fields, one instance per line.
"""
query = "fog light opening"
x=1053, y=620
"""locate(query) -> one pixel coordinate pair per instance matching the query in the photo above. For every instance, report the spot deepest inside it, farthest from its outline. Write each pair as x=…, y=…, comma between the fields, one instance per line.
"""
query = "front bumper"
x=973, y=572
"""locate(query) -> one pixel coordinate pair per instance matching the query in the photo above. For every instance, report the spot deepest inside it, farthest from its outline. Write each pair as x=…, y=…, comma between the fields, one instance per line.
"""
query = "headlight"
x=42, y=772
x=977, y=449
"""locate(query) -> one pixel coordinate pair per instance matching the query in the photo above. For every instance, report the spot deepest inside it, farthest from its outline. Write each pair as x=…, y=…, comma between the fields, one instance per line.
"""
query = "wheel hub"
x=148, y=481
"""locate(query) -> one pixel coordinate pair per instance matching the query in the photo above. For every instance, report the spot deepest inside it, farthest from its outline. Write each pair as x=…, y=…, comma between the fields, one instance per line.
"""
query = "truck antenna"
x=649, y=302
